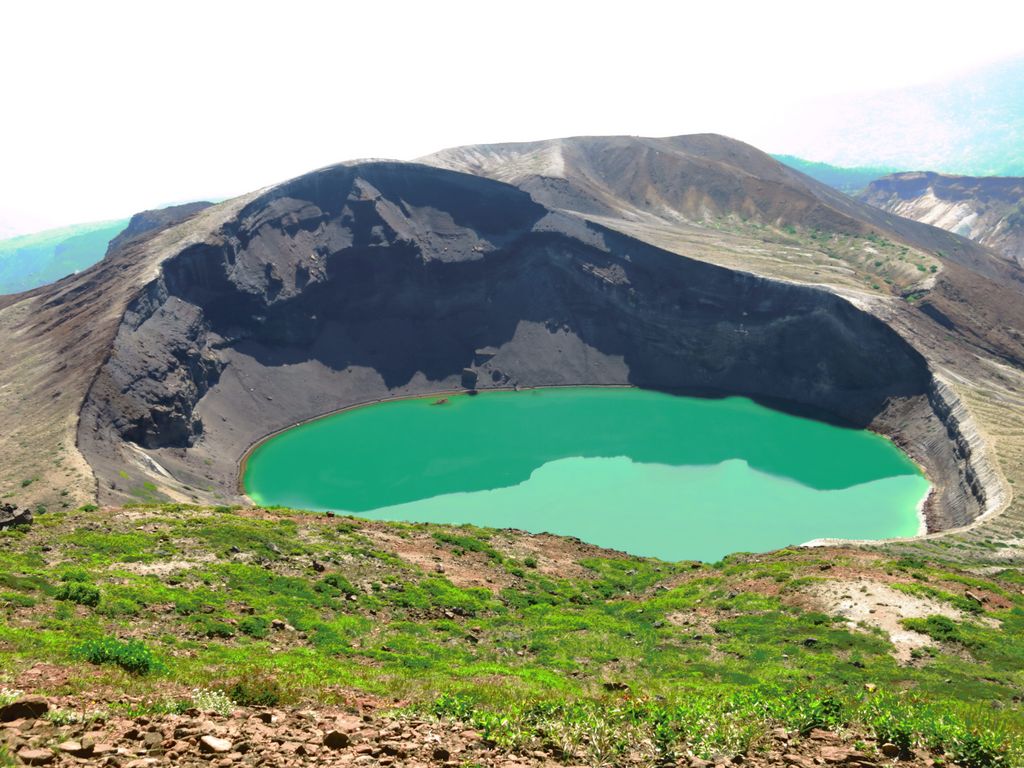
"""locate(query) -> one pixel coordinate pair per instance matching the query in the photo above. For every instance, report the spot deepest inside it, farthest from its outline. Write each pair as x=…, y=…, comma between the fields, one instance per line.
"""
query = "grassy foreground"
x=530, y=639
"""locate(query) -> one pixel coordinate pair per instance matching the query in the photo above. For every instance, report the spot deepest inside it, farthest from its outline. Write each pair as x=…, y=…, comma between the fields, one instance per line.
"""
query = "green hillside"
x=543, y=646
x=29, y=261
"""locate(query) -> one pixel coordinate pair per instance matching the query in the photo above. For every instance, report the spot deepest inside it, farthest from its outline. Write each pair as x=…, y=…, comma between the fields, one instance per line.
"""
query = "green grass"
x=692, y=658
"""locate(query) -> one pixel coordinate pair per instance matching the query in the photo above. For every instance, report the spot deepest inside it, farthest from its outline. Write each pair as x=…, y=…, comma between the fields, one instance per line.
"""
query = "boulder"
x=11, y=516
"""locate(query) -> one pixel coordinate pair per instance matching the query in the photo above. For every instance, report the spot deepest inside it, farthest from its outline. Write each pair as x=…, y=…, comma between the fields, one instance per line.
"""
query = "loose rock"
x=214, y=744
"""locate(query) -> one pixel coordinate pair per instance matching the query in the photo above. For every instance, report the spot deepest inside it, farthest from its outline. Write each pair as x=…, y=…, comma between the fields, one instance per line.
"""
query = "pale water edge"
x=640, y=471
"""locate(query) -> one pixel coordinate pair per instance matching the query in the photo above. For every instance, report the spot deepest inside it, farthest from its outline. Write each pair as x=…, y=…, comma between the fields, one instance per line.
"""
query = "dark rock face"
x=361, y=282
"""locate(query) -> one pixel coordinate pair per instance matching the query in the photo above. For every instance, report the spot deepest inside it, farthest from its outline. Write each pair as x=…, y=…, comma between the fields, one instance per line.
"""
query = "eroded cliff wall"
x=376, y=280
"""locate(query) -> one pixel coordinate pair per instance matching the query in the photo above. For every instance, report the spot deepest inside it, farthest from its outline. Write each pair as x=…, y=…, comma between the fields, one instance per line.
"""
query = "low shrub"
x=254, y=626
x=979, y=749
x=77, y=592
x=335, y=581
x=937, y=627
x=210, y=627
x=132, y=656
x=9, y=695
x=255, y=689
x=74, y=574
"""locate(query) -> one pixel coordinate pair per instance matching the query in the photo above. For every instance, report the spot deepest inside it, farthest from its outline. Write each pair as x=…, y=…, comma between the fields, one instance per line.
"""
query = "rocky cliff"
x=988, y=210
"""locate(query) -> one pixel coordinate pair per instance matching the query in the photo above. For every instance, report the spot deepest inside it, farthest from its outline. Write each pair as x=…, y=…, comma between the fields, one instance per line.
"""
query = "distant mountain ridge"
x=988, y=210
x=29, y=261
x=848, y=180
x=698, y=179
x=34, y=260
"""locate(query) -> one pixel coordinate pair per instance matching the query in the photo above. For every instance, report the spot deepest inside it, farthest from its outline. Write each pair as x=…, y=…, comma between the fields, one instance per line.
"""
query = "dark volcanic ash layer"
x=361, y=282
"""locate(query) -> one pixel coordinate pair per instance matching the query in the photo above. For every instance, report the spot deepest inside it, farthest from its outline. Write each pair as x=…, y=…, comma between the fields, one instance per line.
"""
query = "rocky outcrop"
x=988, y=210
x=987, y=490
x=11, y=516
x=144, y=222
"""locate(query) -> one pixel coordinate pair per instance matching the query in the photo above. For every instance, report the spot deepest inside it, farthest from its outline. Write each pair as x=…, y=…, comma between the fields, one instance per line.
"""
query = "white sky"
x=110, y=108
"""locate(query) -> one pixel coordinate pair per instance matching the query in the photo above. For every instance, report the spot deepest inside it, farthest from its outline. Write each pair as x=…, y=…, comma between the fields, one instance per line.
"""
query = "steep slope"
x=988, y=210
x=704, y=180
x=54, y=340
x=723, y=201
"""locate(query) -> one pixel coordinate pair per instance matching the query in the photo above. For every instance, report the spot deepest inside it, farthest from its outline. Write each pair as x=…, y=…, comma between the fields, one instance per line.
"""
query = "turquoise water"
x=645, y=472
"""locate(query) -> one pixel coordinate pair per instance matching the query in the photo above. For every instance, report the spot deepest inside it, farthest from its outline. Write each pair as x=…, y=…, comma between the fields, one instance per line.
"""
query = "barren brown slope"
x=697, y=179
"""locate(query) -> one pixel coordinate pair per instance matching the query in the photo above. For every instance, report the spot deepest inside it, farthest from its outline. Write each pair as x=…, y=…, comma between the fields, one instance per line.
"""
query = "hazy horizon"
x=217, y=101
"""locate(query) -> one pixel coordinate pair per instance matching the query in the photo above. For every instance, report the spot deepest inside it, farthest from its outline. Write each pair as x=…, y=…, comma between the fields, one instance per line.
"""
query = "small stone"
x=36, y=756
x=440, y=754
x=152, y=739
x=840, y=755
x=347, y=723
x=890, y=750
x=337, y=740
x=870, y=687
x=28, y=707
x=214, y=744
x=77, y=748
